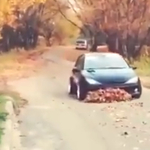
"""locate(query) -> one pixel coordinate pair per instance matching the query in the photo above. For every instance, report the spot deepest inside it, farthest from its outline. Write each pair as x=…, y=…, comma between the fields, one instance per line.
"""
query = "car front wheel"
x=81, y=92
x=137, y=96
x=72, y=87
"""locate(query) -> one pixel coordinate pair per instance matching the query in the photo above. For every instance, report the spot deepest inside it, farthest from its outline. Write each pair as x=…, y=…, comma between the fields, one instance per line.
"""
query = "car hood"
x=110, y=76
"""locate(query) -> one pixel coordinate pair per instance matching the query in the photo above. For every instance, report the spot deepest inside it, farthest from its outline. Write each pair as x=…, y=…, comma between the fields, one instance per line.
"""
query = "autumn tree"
x=42, y=15
x=125, y=22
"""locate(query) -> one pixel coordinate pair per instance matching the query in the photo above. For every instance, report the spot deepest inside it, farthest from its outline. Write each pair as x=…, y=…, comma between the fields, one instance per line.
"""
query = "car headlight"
x=92, y=81
x=133, y=80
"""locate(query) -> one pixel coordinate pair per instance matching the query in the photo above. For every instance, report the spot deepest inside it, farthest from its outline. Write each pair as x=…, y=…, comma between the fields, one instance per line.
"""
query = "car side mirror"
x=133, y=67
x=76, y=70
x=90, y=70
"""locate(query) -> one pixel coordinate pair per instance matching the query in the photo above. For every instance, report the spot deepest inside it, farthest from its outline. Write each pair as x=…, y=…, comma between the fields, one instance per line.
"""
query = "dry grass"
x=143, y=66
x=17, y=103
x=143, y=70
x=14, y=95
x=14, y=65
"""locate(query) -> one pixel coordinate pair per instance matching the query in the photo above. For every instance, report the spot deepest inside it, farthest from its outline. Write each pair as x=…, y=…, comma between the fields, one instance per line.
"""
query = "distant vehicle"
x=83, y=44
x=93, y=71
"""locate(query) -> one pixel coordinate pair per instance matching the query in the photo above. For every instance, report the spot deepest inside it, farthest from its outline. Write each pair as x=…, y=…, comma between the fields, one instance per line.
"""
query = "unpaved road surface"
x=55, y=121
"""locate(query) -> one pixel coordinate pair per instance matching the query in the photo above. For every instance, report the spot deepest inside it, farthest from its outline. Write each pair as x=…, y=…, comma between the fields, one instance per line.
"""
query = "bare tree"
x=125, y=22
x=42, y=16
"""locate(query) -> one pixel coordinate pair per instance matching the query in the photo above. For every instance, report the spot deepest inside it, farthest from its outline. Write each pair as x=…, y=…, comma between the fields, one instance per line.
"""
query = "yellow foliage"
x=64, y=28
x=7, y=7
x=67, y=28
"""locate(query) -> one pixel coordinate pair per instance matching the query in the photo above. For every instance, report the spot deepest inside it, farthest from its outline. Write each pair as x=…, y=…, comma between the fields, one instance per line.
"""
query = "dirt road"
x=54, y=121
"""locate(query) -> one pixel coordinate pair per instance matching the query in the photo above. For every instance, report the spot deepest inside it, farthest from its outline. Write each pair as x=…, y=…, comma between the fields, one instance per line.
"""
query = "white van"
x=82, y=44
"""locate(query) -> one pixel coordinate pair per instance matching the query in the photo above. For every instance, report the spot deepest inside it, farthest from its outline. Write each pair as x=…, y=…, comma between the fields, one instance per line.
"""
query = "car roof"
x=101, y=53
x=81, y=39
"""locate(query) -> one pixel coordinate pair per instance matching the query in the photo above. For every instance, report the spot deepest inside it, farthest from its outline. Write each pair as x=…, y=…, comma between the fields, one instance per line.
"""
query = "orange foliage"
x=126, y=15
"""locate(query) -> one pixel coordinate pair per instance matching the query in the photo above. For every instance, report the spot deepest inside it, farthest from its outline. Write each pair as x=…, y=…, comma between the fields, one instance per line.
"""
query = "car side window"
x=80, y=62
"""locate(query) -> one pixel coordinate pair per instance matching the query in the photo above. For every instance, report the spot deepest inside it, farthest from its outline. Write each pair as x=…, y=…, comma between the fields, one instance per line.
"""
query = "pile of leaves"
x=108, y=96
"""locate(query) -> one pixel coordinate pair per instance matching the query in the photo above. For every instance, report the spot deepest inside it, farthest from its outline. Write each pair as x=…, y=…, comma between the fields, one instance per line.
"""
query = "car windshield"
x=105, y=62
x=80, y=42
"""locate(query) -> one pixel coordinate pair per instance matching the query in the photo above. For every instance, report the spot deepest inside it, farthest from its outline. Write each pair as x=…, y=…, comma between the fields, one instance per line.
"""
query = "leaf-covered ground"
x=18, y=65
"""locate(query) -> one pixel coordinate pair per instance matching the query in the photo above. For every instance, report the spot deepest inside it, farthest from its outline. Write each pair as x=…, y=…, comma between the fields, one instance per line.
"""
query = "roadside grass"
x=3, y=115
x=14, y=65
x=143, y=66
x=143, y=70
x=17, y=103
x=17, y=99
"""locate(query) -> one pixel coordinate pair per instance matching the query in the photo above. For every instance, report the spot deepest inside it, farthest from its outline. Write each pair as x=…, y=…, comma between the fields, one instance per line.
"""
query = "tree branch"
x=61, y=12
